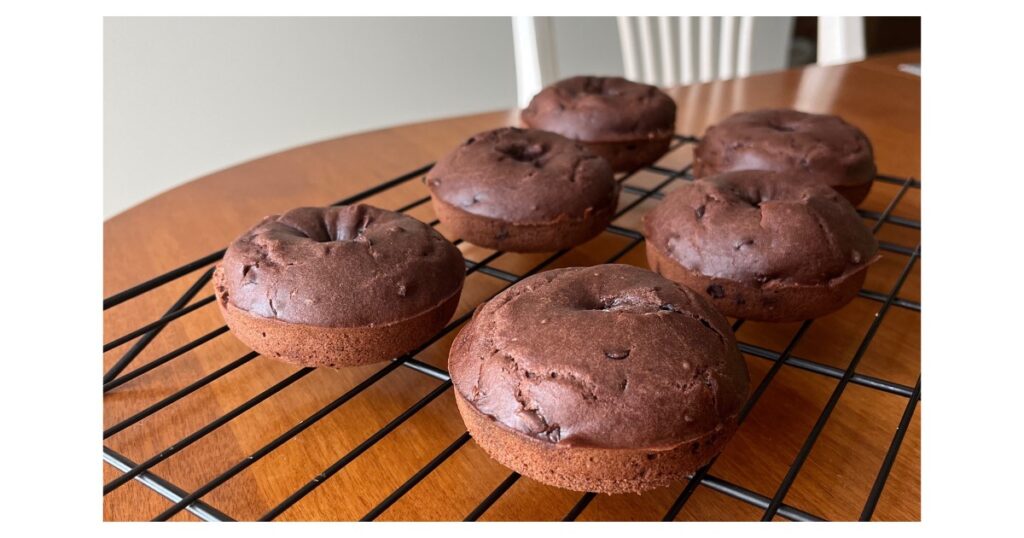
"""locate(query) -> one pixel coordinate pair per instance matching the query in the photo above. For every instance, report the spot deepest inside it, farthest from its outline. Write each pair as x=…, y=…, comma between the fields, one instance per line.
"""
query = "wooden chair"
x=686, y=50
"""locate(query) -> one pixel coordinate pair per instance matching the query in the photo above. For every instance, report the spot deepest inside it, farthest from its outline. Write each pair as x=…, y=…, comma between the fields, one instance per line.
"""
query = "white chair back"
x=669, y=51
x=688, y=49
x=840, y=40
x=533, y=39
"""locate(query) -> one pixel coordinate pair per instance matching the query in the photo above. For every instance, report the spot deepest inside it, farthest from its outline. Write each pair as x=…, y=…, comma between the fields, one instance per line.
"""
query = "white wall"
x=184, y=97
x=587, y=46
x=187, y=96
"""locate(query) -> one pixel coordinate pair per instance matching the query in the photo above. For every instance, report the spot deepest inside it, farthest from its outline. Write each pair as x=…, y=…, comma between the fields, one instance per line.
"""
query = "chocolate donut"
x=609, y=379
x=338, y=286
x=761, y=245
x=627, y=123
x=792, y=142
x=523, y=190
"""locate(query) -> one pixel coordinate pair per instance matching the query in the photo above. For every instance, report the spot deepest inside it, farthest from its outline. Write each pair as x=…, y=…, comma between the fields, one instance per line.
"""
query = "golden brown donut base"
x=795, y=302
x=526, y=237
x=601, y=470
x=631, y=154
x=315, y=346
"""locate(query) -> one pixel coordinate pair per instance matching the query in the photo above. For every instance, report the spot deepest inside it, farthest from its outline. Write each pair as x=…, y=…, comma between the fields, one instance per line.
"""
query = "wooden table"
x=206, y=214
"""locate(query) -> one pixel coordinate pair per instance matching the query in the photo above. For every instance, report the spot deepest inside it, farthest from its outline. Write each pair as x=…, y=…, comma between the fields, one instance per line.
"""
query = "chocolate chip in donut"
x=761, y=245
x=792, y=142
x=628, y=123
x=523, y=190
x=338, y=286
x=608, y=379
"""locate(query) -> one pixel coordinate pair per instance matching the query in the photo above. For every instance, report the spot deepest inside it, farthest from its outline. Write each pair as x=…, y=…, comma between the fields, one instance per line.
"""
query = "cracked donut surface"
x=323, y=285
x=523, y=190
x=628, y=123
x=602, y=109
x=605, y=357
x=761, y=244
x=837, y=153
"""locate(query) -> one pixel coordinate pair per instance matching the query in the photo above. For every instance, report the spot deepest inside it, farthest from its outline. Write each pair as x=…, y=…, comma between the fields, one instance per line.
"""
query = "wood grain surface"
x=206, y=214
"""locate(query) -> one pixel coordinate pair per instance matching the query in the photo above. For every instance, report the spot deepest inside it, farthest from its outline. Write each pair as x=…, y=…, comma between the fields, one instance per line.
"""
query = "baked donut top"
x=761, y=228
x=609, y=356
x=787, y=141
x=523, y=176
x=344, y=266
x=602, y=109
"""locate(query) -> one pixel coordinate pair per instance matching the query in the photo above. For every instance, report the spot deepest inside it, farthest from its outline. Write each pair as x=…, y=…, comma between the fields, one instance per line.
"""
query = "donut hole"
x=598, y=86
x=781, y=127
x=343, y=230
x=617, y=303
x=326, y=226
x=348, y=231
x=753, y=195
x=638, y=300
x=522, y=152
x=754, y=200
x=623, y=303
x=617, y=354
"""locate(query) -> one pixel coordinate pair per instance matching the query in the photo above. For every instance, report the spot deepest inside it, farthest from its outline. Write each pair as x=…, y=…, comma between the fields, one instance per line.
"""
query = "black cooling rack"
x=772, y=504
